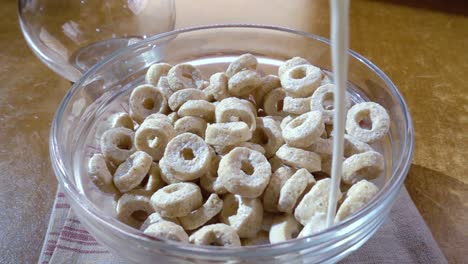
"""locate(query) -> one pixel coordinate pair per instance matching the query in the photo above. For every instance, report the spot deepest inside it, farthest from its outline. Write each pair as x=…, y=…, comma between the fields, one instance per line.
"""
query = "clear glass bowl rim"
x=391, y=188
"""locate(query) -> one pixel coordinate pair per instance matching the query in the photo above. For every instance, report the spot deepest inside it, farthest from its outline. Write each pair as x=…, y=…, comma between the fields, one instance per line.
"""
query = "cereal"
x=295, y=61
x=216, y=235
x=167, y=175
x=156, y=71
x=191, y=124
x=145, y=100
x=159, y=117
x=167, y=230
x=322, y=100
x=353, y=146
x=133, y=209
x=299, y=158
x=272, y=192
x=210, y=181
x=173, y=117
x=321, y=146
x=359, y=117
x=244, y=83
x=262, y=238
x=152, y=137
x=163, y=86
x=286, y=121
x=314, y=202
x=227, y=133
x=223, y=150
x=301, y=80
x=292, y=189
x=117, y=144
x=296, y=106
x=188, y=156
x=180, y=97
x=245, y=172
x=244, y=62
x=273, y=102
x=315, y=224
x=198, y=108
x=131, y=172
x=243, y=214
x=121, y=119
x=199, y=217
x=234, y=110
x=218, y=88
x=284, y=227
x=304, y=130
x=152, y=181
x=156, y=217
x=366, y=165
x=269, y=83
x=183, y=76
x=268, y=135
x=177, y=199
x=99, y=173
x=357, y=197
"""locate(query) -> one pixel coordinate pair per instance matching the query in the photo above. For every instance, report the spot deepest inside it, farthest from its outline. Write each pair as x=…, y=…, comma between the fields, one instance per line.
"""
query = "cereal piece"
x=152, y=181
x=216, y=235
x=293, y=188
x=198, y=108
x=183, y=76
x=152, y=137
x=145, y=100
x=227, y=133
x=243, y=214
x=275, y=163
x=299, y=158
x=233, y=109
x=120, y=119
x=191, y=124
x=284, y=227
x=158, y=117
x=322, y=146
x=133, y=209
x=245, y=172
x=167, y=175
x=273, y=102
x=286, y=121
x=167, y=230
x=269, y=83
x=322, y=100
x=131, y=172
x=180, y=97
x=356, y=198
x=314, y=202
x=244, y=62
x=262, y=238
x=218, y=88
x=367, y=122
x=301, y=80
x=327, y=163
x=223, y=150
x=199, y=217
x=296, y=106
x=272, y=192
x=268, y=135
x=244, y=83
x=367, y=165
x=304, y=130
x=295, y=61
x=99, y=173
x=353, y=146
x=117, y=144
x=173, y=117
x=156, y=217
x=163, y=86
x=317, y=223
x=156, y=71
x=177, y=200
x=210, y=181
x=188, y=156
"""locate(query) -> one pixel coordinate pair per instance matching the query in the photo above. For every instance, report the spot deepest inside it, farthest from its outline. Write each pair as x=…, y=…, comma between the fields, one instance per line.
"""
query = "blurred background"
x=421, y=45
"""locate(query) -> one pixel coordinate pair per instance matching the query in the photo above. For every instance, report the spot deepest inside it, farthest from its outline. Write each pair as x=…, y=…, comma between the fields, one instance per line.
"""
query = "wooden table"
x=422, y=45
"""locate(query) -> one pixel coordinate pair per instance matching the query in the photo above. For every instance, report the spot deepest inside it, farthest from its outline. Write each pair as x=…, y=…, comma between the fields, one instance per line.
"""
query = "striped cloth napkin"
x=404, y=238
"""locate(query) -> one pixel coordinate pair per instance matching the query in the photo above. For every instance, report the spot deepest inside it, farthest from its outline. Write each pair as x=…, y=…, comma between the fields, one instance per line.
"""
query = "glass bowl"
x=71, y=36
x=211, y=48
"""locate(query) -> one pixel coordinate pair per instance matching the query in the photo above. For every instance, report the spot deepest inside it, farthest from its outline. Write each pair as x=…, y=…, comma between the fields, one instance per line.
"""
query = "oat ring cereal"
x=357, y=197
x=301, y=80
x=304, y=130
x=299, y=158
x=233, y=109
x=244, y=62
x=360, y=115
x=199, y=217
x=178, y=98
x=188, y=155
x=216, y=235
x=231, y=133
x=152, y=137
x=117, y=144
x=191, y=124
x=245, y=172
x=167, y=230
x=284, y=227
x=293, y=189
x=131, y=172
x=322, y=100
x=366, y=165
x=198, y=108
x=183, y=76
x=133, y=209
x=146, y=100
x=268, y=135
x=273, y=102
x=156, y=71
x=177, y=199
x=244, y=83
x=245, y=215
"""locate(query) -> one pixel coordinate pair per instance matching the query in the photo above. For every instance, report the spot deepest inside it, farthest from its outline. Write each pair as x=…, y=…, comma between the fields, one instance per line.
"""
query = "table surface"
x=421, y=45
